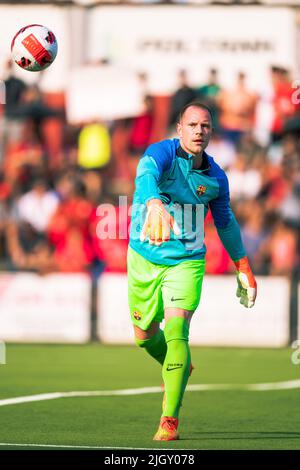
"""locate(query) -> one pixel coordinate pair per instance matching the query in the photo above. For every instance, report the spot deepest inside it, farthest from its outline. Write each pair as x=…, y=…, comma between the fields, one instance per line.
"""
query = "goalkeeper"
x=177, y=182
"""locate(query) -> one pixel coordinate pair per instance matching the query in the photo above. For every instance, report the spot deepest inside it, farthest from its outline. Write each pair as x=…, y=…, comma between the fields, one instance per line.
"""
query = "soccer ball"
x=34, y=47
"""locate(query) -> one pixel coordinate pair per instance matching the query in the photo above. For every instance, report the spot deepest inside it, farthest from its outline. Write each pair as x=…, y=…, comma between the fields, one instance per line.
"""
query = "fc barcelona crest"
x=137, y=315
x=201, y=190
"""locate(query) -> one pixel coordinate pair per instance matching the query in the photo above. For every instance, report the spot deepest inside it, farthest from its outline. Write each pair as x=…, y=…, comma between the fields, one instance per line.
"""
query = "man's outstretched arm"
x=230, y=235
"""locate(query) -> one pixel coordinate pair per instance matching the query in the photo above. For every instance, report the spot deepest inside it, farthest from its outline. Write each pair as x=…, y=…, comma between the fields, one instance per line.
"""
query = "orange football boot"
x=167, y=430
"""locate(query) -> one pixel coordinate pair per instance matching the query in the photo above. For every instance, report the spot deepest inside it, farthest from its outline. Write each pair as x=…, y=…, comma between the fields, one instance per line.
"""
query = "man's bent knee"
x=146, y=334
x=177, y=328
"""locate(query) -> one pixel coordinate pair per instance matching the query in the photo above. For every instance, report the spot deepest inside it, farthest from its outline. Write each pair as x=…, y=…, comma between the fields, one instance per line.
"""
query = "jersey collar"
x=187, y=156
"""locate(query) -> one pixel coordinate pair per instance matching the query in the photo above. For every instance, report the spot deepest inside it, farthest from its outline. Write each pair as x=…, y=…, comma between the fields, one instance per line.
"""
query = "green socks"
x=176, y=367
x=171, y=349
x=155, y=346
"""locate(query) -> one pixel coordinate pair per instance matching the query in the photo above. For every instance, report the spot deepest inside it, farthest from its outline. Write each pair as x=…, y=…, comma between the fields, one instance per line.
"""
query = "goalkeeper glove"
x=247, y=287
x=158, y=224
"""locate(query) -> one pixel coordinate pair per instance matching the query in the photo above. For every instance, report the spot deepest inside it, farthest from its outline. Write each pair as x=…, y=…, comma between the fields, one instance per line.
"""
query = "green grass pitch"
x=224, y=419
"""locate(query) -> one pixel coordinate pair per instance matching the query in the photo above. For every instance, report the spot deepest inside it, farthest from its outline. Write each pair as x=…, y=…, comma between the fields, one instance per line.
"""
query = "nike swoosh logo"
x=173, y=368
x=179, y=298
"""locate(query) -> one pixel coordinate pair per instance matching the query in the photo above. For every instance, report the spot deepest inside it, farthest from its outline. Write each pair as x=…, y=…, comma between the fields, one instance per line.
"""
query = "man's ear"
x=179, y=129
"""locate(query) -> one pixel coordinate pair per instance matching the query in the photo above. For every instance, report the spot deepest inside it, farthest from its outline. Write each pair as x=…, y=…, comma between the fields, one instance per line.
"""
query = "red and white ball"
x=34, y=47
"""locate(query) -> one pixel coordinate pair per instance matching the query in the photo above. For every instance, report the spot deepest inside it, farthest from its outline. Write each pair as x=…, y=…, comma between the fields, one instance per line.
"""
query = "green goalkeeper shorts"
x=154, y=287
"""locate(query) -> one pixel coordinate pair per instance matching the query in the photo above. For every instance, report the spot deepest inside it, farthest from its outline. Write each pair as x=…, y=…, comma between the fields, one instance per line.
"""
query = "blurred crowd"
x=54, y=176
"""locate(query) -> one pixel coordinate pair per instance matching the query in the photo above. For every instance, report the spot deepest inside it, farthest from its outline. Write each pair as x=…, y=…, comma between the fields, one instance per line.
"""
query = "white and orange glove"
x=247, y=287
x=158, y=224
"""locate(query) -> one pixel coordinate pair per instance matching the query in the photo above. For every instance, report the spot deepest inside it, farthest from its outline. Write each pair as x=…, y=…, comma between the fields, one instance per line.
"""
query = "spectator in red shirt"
x=142, y=127
x=68, y=230
x=282, y=100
